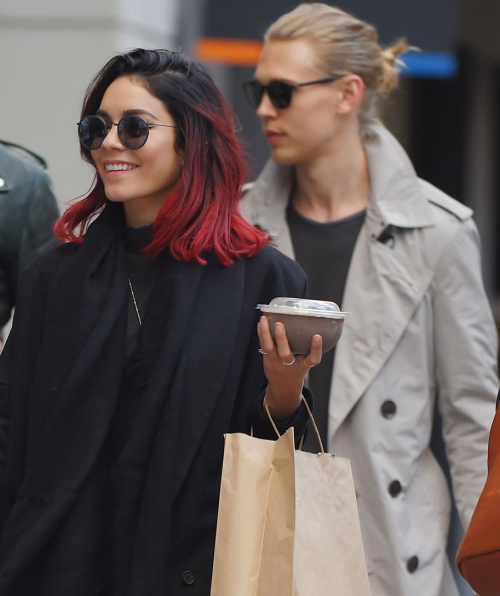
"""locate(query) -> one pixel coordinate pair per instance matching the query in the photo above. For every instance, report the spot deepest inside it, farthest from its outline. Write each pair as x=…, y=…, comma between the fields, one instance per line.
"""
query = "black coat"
x=28, y=210
x=59, y=386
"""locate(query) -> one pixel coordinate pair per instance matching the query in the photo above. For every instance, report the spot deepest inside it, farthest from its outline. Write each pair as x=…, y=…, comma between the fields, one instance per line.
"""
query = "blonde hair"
x=344, y=44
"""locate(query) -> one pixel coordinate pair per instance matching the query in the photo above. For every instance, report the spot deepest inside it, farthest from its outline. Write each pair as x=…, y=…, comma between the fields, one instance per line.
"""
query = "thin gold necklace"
x=135, y=302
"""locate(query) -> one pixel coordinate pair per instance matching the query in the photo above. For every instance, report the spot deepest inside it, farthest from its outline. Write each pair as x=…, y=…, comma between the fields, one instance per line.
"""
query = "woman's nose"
x=112, y=140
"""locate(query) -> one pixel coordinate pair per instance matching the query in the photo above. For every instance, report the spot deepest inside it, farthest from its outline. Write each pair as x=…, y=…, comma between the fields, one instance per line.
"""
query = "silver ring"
x=261, y=351
x=289, y=363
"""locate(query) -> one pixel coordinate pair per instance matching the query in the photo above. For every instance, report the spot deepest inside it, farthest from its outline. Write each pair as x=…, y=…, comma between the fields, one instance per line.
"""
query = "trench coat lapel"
x=384, y=285
x=216, y=315
x=382, y=292
x=267, y=204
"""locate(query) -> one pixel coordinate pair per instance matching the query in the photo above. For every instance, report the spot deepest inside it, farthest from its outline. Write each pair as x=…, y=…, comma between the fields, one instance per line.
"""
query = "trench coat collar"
x=392, y=180
x=384, y=286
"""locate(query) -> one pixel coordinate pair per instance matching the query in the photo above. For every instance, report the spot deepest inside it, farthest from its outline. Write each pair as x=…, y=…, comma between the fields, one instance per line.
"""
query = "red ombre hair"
x=201, y=213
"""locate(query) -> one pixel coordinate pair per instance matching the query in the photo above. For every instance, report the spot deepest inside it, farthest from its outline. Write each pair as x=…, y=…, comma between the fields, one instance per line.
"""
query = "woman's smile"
x=114, y=167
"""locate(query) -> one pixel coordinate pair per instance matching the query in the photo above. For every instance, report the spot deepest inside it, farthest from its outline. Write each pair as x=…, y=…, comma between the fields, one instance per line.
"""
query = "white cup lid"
x=303, y=306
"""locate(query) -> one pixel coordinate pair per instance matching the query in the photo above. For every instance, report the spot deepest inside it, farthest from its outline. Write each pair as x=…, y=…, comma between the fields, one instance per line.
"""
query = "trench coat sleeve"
x=466, y=365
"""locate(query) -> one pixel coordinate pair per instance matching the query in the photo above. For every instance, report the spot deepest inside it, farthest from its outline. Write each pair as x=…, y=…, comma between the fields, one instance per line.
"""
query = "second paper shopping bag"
x=288, y=523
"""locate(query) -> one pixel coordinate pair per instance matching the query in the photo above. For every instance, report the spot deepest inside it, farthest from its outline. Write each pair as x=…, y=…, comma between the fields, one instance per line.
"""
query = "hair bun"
x=391, y=64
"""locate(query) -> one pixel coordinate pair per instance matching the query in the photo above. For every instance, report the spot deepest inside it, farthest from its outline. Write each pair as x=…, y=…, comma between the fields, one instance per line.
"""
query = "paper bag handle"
x=304, y=401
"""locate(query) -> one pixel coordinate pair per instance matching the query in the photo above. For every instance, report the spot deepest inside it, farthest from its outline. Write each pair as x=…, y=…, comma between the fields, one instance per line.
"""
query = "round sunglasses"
x=133, y=131
x=279, y=92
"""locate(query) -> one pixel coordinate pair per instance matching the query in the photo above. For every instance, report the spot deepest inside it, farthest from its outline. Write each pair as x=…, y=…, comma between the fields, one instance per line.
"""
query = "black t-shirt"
x=324, y=251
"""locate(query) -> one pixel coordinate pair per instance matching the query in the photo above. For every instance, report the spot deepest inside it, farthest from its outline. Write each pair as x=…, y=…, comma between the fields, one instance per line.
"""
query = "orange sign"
x=236, y=52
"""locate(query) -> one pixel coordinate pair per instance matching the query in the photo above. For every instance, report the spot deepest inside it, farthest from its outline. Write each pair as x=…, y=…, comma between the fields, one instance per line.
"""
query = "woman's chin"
x=117, y=197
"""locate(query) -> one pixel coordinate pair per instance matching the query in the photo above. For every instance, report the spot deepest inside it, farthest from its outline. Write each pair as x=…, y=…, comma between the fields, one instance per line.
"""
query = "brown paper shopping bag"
x=288, y=523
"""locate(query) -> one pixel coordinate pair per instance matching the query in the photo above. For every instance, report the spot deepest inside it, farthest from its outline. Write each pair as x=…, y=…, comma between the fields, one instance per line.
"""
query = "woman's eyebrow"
x=133, y=112
x=139, y=112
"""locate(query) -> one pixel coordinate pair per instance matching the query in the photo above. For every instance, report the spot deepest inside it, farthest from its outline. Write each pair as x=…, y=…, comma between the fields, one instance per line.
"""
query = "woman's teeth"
x=113, y=167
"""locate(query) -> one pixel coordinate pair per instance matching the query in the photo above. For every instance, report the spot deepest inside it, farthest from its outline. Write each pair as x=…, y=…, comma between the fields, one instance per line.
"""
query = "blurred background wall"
x=49, y=51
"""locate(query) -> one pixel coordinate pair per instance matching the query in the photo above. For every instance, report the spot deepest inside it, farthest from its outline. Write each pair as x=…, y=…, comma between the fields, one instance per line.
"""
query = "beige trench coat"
x=421, y=329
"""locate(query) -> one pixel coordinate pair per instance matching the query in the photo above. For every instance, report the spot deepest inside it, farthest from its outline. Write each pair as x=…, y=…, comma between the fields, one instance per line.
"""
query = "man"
x=341, y=196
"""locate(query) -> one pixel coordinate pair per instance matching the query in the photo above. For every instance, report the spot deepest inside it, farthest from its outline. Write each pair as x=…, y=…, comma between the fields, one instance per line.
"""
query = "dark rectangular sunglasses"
x=279, y=92
x=133, y=131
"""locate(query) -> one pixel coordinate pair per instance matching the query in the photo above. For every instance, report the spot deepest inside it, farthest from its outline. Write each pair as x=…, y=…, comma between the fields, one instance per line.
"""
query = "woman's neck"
x=139, y=213
x=334, y=185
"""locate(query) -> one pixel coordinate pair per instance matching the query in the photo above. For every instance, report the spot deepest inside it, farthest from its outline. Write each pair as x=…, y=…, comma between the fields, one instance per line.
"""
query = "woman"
x=341, y=196
x=135, y=348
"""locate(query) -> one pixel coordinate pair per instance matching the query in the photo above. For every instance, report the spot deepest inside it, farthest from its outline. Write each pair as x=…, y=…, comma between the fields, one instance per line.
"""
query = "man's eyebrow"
x=133, y=112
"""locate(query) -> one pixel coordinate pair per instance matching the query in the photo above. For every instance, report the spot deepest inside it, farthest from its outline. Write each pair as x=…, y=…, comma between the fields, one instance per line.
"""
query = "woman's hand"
x=285, y=371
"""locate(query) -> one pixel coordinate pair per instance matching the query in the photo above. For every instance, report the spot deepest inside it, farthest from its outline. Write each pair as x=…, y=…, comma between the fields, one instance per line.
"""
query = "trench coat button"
x=388, y=409
x=2, y=182
x=412, y=564
x=395, y=488
x=188, y=577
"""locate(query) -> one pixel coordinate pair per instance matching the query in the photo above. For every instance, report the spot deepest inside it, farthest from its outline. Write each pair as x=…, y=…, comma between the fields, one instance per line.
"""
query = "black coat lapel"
x=167, y=322
x=142, y=476
x=212, y=336
x=192, y=324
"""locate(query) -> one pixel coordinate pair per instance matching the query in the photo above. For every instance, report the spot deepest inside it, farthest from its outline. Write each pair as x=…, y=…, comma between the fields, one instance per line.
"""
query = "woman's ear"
x=352, y=88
